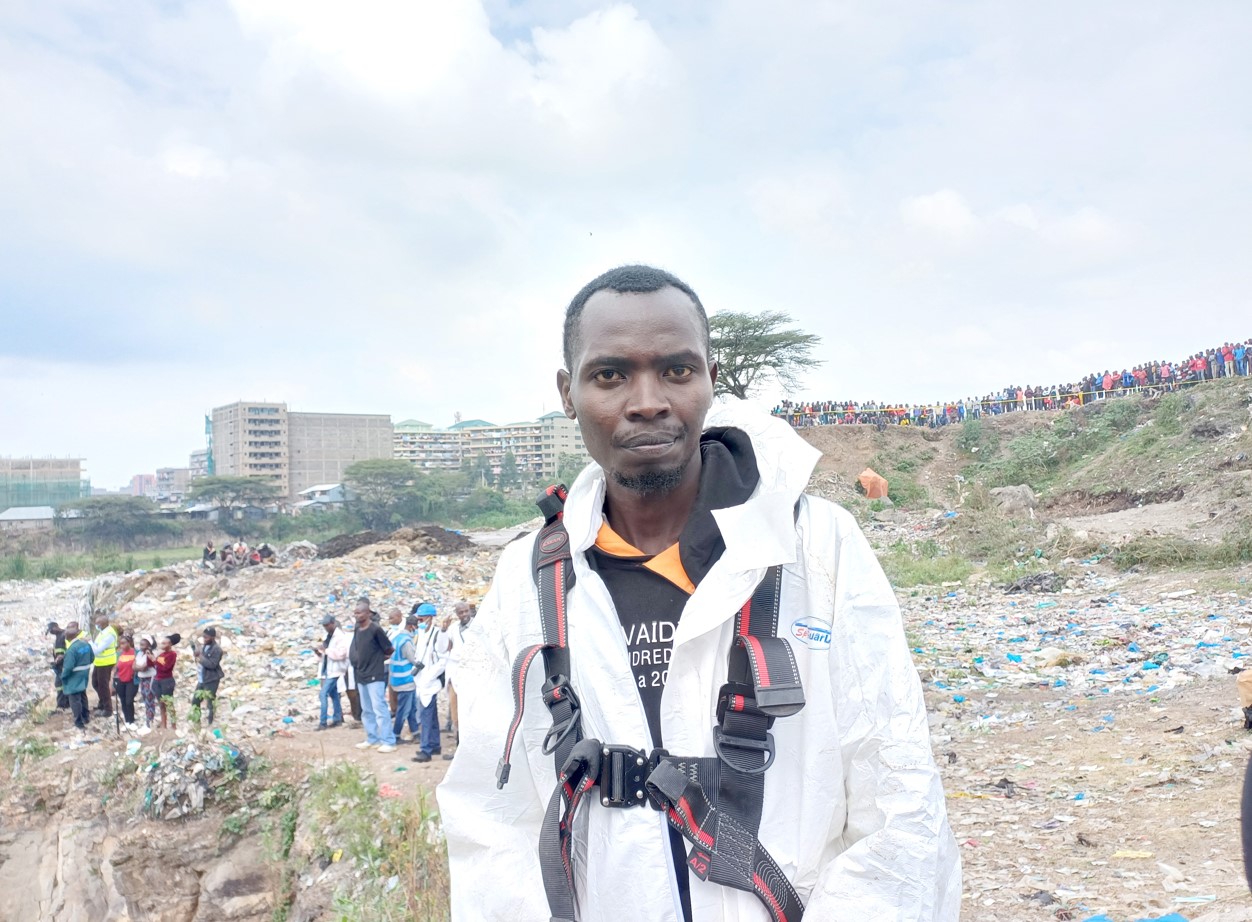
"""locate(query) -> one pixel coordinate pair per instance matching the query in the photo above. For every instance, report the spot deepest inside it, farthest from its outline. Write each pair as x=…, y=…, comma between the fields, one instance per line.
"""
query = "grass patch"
x=396, y=842
x=925, y=563
x=1171, y=551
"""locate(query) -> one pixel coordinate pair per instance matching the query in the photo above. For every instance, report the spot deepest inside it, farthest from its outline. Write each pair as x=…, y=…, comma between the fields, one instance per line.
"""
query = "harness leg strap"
x=723, y=849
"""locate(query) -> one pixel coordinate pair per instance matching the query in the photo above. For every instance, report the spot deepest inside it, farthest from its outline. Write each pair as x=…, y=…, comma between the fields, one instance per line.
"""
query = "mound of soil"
x=342, y=545
x=1081, y=502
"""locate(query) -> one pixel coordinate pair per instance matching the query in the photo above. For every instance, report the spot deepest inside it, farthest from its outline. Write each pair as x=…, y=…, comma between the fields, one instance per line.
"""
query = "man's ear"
x=713, y=375
x=563, y=382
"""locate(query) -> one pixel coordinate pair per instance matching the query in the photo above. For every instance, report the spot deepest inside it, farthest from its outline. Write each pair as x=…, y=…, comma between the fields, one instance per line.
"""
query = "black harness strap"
x=554, y=577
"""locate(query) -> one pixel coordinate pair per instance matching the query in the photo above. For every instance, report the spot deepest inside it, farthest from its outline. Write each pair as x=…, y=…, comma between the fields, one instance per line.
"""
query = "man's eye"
x=607, y=374
x=680, y=371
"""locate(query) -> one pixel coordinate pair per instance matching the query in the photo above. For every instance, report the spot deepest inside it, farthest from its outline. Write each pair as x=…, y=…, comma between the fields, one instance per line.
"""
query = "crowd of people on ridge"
x=1226, y=361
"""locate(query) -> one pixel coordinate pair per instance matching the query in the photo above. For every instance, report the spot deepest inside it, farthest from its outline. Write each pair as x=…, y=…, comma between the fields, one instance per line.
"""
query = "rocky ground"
x=1090, y=738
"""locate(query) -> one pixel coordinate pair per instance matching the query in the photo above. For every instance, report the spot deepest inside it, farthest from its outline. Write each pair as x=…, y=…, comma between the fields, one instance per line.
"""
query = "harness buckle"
x=722, y=741
x=623, y=773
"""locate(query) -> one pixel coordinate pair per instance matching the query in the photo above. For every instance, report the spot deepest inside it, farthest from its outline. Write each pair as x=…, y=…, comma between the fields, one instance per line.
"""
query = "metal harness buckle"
x=623, y=773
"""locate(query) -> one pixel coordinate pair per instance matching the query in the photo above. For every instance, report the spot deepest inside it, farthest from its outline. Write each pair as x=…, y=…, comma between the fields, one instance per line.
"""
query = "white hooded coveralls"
x=854, y=810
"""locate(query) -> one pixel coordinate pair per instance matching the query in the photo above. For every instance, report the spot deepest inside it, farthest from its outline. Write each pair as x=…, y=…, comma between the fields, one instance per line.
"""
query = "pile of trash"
x=178, y=780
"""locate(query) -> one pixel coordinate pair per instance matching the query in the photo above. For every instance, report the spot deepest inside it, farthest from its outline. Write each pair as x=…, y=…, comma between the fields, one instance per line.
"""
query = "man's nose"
x=648, y=398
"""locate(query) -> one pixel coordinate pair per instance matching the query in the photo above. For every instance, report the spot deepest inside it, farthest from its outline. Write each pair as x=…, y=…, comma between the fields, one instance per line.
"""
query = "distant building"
x=250, y=440
x=143, y=485
x=536, y=445
x=172, y=483
x=41, y=481
x=321, y=496
x=198, y=463
x=27, y=518
x=426, y=447
x=294, y=450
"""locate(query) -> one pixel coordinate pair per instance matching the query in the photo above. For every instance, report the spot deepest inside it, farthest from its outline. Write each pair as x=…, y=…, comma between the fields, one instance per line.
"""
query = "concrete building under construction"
x=41, y=481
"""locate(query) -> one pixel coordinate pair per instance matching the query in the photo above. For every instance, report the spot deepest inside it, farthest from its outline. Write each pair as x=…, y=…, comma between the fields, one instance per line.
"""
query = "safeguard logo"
x=814, y=633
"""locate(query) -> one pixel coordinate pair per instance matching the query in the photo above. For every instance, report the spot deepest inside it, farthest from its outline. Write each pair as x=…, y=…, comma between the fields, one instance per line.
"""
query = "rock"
x=1016, y=499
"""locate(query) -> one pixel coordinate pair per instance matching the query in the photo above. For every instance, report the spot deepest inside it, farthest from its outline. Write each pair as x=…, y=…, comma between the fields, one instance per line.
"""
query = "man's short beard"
x=652, y=483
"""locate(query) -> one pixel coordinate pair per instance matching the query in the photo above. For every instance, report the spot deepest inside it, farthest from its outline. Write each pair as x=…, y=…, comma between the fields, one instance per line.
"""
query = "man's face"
x=330, y=627
x=640, y=387
x=462, y=612
x=362, y=615
x=395, y=617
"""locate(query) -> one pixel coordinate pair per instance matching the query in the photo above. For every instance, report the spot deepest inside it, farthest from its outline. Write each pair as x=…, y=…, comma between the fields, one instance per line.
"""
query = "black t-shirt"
x=648, y=606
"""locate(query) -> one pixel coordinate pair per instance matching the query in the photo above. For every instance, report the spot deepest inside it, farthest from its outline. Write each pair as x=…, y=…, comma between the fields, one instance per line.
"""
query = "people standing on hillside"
x=145, y=676
x=58, y=660
x=105, y=648
x=368, y=655
x=332, y=666
x=164, y=684
x=394, y=628
x=403, y=666
x=432, y=655
x=453, y=629
x=209, y=661
x=75, y=673
x=124, y=679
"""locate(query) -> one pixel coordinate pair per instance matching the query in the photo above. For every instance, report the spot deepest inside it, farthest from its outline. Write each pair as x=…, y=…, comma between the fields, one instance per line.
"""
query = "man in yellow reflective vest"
x=104, y=646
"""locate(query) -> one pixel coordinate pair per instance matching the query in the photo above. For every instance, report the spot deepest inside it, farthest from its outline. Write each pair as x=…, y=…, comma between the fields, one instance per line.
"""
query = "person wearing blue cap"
x=432, y=659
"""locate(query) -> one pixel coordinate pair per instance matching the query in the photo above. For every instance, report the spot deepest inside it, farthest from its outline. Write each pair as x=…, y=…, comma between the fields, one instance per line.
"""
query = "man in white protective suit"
x=723, y=721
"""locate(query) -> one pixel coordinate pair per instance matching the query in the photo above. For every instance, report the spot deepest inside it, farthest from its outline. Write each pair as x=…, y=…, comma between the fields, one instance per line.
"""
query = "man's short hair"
x=632, y=280
x=362, y=602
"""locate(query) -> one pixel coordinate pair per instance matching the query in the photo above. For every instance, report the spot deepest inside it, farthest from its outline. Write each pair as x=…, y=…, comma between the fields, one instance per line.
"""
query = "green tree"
x=379, y=488
x=568, y=467
x=479, y=471
x=510, y=477
x=113, y=519
x=433, y=496
x=227, y=492
x=752, y=348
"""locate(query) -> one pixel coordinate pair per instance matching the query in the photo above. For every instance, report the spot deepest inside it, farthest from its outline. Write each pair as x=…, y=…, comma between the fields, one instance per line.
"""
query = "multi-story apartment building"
x=250, y=440
x=41, y=481
x=198, y=463
x=143, y=485
x=293, y=450
x=559, y=435
x=536, y=445
x=172, y=483
x=321, y=446
x=426, y=447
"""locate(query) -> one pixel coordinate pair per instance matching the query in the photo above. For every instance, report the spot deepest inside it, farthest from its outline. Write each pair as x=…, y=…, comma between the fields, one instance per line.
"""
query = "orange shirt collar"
x=667, y=564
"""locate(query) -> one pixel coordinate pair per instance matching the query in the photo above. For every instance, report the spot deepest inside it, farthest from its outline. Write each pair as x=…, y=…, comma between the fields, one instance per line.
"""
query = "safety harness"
x=715, y=803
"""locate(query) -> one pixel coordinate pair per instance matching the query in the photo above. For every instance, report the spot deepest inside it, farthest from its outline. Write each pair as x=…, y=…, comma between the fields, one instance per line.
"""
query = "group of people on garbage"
x=391, y=674
x=118, y=665
x=234, y=556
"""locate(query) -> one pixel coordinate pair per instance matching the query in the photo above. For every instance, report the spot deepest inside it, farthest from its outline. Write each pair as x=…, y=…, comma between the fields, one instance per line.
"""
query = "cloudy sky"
x=383, y=206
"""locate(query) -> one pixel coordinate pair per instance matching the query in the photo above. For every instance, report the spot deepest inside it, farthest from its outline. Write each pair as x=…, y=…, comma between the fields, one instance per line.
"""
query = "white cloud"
x=943, y=213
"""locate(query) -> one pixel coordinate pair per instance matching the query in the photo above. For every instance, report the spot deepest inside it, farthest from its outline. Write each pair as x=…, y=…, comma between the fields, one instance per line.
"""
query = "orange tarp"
x=873, y=483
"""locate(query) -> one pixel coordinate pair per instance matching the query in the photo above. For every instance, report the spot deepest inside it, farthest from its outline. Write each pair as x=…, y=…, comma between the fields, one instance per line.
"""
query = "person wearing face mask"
x=432, y=658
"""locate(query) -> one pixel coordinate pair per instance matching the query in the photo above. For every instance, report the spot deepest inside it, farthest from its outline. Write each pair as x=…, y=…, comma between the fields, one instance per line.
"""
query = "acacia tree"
x=227, y=492
x=113, y=519
x=379, y=487
x=752, y=348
